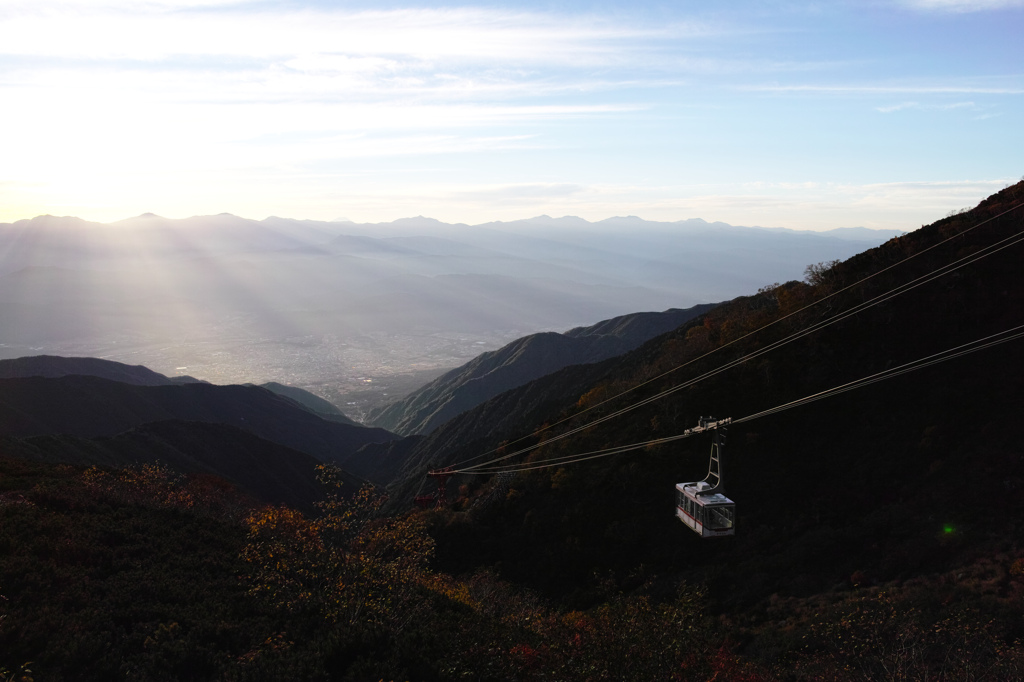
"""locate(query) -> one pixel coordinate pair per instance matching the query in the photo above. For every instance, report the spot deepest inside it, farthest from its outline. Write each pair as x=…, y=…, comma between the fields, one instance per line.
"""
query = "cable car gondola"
x=702, y=505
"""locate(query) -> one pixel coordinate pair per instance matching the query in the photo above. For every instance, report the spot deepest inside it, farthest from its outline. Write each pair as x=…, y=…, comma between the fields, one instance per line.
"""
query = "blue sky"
x=809, y=115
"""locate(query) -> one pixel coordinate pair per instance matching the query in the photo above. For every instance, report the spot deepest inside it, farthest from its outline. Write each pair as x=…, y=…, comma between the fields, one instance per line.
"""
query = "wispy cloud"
x=950, y=89
x=314, y=108
x=517, y=194
x=898, y=107
x=207, y=52
x=146, y=33
x=963, y=6
x=917, y=105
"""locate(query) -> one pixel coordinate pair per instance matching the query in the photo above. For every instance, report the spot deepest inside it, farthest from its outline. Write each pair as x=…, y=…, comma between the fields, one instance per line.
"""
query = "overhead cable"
x=936, y=358
x=817, y=326
x=715, y=350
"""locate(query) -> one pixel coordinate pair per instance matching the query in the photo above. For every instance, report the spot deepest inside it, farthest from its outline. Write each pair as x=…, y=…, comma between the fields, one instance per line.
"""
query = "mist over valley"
x=362, y=314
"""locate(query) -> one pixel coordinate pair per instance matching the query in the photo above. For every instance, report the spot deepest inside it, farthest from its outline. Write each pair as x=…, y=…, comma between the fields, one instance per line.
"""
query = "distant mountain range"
x=227, y=297
x=522, y=361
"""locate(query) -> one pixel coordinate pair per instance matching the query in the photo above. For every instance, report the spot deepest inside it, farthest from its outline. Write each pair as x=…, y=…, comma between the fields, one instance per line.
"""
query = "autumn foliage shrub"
x=345, y=566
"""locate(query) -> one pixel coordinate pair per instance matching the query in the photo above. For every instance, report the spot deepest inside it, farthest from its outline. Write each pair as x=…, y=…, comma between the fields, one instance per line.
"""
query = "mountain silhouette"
x=52, y=366
x=91, y=406
x=269, y=472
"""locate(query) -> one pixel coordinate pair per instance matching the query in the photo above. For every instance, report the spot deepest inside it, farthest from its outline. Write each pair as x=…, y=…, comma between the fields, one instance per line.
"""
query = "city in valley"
x=357, y=373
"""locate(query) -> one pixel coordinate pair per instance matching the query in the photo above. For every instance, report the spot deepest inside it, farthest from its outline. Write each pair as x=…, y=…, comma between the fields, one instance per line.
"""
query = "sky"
x=799, y=114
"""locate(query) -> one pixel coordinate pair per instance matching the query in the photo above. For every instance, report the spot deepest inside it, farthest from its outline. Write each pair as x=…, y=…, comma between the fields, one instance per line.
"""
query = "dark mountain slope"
x=90, y=406
x=271, y=473
x=52, y=366
x=521, y=361
x=309, y=401
x=862, y=482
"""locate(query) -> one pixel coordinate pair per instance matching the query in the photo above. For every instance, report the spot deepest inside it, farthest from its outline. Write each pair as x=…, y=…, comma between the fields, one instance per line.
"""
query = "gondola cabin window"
x=709, y=516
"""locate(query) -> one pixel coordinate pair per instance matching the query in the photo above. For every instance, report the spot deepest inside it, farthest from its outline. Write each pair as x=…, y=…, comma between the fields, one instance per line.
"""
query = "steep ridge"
x=870, y=481
x=91, y=406
x=522, y=361
x=269, y=472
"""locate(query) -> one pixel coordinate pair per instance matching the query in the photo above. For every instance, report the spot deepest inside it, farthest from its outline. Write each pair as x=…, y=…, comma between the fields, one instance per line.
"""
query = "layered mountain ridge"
x=53, y=366
x=89, y=411
x=522, y=361
x=92, y=406
x=319, y=304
